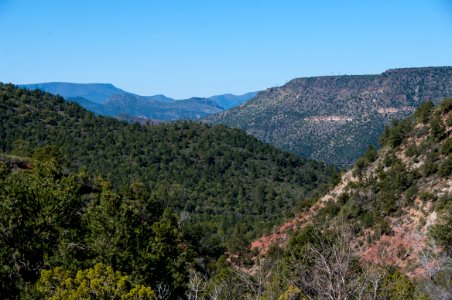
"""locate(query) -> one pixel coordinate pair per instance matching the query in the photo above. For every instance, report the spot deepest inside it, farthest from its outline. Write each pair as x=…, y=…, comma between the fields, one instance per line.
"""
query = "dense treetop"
x=51, y=219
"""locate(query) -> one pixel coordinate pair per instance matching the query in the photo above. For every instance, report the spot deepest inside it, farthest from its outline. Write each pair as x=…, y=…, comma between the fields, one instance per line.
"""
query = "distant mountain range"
x=334, y=118
x=108, y=100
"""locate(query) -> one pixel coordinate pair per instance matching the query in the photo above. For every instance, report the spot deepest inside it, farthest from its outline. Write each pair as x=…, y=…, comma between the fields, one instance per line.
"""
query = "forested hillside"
x=384, y=232
x=334, y=118
x=226, y=186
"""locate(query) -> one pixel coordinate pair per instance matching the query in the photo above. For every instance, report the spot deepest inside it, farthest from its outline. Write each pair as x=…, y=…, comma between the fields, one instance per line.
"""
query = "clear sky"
x=184, y=48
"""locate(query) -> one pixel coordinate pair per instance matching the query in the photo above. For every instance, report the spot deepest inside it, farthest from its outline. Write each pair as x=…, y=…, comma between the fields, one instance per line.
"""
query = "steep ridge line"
x=282, y=233
x=406, y=239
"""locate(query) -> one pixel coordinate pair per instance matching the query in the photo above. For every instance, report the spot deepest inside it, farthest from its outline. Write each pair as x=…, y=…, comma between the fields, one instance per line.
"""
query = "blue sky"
x=184, y=48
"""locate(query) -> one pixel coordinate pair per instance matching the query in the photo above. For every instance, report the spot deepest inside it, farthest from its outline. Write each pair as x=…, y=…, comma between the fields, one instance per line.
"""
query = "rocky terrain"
x=397, y=199
x=335, y=118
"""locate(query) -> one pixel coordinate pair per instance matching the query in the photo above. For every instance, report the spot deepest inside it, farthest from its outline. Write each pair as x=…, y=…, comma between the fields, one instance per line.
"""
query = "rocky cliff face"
x=335, y=118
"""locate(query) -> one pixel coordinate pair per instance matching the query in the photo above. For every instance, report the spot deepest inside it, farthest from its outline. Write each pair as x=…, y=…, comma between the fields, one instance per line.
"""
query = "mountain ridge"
x=95, y=92
x=334, y=118
x=106, y=99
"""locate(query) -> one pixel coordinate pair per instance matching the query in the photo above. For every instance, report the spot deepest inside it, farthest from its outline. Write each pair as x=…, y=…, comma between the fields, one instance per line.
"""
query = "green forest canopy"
x=222, y=179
